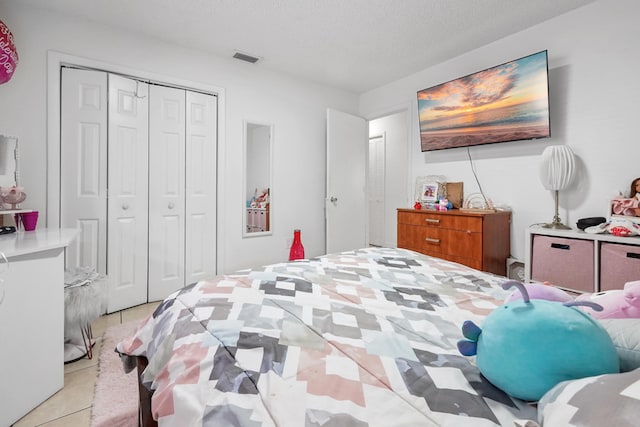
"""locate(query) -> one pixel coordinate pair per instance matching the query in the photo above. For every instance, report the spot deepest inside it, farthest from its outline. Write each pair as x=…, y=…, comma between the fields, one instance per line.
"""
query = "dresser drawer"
x=619, y=264
x=421, y=239
x=465, y=244
x=435, y=220
x=470, y=262
x=567, y=263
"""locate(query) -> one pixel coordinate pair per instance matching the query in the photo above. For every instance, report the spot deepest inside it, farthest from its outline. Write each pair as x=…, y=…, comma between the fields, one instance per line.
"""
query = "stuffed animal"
x=616, y=304
x=543, y=291
x=618, y=226
x=526, y=347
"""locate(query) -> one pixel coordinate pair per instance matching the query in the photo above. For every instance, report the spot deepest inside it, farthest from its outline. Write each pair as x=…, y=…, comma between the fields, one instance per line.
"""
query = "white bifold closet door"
x=182, y=190
x=83, y=178
x=166, y=191
x=127, y=200
x=138, y=177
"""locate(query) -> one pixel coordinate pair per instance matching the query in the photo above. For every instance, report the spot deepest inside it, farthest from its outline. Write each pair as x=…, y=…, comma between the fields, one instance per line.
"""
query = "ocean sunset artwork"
x=507, y=102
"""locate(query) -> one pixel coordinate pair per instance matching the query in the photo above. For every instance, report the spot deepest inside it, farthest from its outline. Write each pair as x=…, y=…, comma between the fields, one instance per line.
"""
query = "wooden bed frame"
x=145, y=419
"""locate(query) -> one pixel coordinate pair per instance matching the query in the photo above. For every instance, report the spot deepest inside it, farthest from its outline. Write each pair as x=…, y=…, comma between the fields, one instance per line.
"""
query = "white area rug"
x=115, y=402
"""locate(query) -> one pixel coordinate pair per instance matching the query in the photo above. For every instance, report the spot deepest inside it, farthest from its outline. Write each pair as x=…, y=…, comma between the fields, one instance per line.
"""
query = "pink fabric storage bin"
x=567, y=263
x=619, y=264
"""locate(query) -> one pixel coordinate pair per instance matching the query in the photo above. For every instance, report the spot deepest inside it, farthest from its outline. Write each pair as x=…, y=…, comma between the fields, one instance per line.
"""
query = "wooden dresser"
x=478, y=240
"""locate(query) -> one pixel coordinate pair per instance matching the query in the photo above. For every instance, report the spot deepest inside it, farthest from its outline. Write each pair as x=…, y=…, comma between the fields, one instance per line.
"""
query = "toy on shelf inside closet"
x=12, y=196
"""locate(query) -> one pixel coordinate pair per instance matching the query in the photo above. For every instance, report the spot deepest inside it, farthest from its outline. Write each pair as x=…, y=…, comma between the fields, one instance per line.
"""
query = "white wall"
x=297, y=110
x=593, y=72
x=395, y=129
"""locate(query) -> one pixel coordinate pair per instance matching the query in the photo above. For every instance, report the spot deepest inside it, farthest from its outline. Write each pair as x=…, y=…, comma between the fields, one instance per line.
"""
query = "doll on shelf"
x=634, y=191
x=629, y=206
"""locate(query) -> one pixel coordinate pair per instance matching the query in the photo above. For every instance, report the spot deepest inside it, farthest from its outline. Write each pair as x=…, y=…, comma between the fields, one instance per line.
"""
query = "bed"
x=361, y=338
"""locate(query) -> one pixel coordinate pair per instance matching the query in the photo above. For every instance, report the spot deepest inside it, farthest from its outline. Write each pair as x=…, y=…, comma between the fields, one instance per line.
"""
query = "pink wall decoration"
x=8, y=54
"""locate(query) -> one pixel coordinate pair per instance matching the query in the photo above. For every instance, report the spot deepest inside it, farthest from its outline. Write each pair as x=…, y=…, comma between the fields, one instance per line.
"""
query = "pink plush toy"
x=617, y=304
x=541, y=291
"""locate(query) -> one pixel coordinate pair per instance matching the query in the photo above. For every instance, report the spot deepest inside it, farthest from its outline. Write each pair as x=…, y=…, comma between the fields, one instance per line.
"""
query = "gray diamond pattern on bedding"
x=361, y=338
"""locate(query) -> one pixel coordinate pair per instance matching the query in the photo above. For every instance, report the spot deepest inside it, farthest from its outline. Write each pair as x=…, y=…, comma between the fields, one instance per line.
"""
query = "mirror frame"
x=245, y=144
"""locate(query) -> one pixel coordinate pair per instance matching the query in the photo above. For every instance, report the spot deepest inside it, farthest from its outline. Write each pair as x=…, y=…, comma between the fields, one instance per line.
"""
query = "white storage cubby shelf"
x=579, y=261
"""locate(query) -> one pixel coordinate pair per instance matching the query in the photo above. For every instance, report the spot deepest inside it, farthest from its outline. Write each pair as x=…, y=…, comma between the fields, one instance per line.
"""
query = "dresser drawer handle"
x=430, y=240
x=633, y=255
x=435, y=221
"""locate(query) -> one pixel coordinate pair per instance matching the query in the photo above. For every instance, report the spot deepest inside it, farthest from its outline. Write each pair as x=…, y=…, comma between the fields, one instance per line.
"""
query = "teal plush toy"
x=528, y=346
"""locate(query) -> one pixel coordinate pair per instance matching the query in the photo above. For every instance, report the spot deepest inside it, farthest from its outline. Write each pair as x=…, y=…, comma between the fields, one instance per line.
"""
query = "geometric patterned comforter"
x=361, y=338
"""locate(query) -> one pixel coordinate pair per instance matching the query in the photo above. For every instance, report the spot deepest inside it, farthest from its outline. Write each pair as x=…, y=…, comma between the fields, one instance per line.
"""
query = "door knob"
x=333, y=199
x=125, y=206
x=171, y=205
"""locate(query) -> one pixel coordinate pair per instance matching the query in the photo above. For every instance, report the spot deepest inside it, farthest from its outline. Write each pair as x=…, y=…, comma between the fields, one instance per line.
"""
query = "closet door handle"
x=125, y=206
x=171, y=205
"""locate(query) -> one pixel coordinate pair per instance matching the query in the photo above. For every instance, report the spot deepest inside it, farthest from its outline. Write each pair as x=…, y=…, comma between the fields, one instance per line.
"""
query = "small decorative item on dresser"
x=297, y=250
x=12, y=196
x=29, y=220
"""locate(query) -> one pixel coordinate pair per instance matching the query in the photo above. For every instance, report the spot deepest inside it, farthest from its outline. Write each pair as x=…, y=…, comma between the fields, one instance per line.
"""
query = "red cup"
x=28, y=220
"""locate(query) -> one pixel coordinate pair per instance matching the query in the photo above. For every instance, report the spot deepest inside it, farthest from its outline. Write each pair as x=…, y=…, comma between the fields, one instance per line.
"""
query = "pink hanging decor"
x=297, y=250
x=8, y=54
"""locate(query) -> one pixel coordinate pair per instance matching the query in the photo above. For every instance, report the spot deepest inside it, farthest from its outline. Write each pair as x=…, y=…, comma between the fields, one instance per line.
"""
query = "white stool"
x=84, y=301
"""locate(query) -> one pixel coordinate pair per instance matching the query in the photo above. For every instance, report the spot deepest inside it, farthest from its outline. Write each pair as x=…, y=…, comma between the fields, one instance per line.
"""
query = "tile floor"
x=71, y=406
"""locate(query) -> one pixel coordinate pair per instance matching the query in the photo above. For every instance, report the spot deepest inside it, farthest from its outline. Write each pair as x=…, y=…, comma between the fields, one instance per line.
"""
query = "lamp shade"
x=557, y=167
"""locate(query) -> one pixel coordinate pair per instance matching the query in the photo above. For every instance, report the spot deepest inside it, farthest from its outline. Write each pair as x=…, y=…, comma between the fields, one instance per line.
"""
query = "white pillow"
x=625, y=334
x=604, y=400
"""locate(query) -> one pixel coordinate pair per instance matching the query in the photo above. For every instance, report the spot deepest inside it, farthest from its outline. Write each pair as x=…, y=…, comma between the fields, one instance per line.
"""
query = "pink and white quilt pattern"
x=362, y=338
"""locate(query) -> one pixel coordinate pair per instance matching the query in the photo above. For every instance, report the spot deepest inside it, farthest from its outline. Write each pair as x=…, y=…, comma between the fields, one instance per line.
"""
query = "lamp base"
x=556, y=226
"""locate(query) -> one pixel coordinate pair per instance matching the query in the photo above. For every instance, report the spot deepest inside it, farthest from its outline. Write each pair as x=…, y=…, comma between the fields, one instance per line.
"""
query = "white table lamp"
x=556, y=173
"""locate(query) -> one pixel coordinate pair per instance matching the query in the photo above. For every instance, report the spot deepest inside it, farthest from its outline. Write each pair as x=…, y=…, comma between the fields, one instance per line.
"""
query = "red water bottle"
x=297, y=250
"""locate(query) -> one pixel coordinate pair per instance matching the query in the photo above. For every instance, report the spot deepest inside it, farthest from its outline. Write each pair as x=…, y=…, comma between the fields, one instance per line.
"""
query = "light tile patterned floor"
x=71, y=406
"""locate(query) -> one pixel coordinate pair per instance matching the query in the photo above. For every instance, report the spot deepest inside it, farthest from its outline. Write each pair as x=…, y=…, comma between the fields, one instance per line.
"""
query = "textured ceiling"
x=355, y=45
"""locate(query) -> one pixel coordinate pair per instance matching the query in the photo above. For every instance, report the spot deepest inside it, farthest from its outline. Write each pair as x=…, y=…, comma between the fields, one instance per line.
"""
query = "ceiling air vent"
x=245, y=57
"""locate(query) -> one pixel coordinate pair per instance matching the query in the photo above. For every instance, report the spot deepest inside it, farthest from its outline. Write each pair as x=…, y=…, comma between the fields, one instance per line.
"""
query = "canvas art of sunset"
x=507, y=102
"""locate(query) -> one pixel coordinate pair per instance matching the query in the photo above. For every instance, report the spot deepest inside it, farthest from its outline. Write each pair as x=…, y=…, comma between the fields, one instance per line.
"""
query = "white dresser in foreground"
x=31, y=319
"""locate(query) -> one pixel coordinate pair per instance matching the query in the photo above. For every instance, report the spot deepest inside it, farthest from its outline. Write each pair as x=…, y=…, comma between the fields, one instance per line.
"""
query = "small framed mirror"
x=258, y=197
x=8, y=160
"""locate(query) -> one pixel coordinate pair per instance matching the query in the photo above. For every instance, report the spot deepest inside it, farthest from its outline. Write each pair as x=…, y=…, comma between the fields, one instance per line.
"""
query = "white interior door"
x=376, y=190
x=201, y=182
x=127, y=205
x=345, y=204
x=166, y=190
x=83, y=158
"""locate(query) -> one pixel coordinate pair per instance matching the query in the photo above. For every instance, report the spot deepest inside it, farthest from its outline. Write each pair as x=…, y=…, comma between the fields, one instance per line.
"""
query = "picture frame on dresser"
x=429, y=192
x=429, y=188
